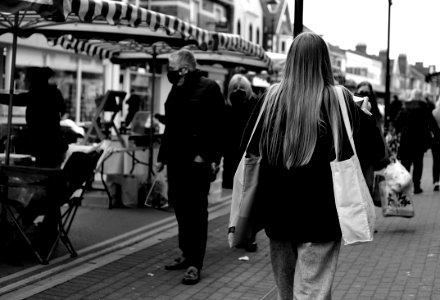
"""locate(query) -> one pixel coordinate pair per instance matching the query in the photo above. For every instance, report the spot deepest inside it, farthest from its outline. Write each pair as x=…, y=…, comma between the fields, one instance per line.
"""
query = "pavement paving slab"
x=403, y=262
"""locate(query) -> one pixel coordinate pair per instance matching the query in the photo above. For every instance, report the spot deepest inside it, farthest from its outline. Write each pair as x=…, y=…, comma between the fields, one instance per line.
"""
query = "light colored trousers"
x=304, y=270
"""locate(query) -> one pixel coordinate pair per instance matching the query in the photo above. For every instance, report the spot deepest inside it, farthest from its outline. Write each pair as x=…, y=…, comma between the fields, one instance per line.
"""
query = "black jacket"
x=298, y=204
x=417, y=127
x=194, y=115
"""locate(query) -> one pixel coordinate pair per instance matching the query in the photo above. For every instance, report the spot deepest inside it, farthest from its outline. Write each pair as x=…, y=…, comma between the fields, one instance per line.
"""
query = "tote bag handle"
x=346, y=120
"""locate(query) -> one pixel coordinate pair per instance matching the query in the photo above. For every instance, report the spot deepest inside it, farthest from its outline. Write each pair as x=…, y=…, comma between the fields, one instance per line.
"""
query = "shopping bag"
x=397, y=203
x=157, y=195
x=354, y=204
x=243, y=202
x=243, y=218
x=397, y=177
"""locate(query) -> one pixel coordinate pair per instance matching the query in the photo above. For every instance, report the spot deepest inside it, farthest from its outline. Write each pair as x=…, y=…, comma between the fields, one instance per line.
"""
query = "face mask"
x=237, y=97
x=173, y=77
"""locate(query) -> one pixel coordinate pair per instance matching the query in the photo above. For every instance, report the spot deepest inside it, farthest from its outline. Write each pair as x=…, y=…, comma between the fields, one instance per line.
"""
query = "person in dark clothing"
x=295, y=190
x=241, y=101
x=435, y=146
x=395, y=107
x=134, y=105
x=365, y=89
x=44, y=108
x=418, y=130
x=191, y=150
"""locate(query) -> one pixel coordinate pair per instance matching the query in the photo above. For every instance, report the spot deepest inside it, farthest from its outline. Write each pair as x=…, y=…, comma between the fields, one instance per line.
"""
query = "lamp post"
x=298, y=22
x=387, y=76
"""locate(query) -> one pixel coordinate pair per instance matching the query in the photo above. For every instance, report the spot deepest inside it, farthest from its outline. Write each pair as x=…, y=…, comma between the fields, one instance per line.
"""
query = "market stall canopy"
x=132, y=52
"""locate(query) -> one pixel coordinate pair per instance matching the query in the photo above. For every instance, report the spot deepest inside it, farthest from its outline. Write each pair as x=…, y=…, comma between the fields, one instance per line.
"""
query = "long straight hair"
x=292, y=115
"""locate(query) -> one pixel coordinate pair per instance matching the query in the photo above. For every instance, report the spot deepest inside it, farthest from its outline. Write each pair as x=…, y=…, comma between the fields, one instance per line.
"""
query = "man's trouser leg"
x=191, y=208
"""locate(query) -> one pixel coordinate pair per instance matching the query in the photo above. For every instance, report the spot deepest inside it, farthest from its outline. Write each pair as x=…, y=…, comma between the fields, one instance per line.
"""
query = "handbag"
x=241, y=219
x=353, y=200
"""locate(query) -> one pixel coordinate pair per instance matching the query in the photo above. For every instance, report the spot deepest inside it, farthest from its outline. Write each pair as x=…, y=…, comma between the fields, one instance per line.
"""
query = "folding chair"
x=29, y=192
x=78, y=171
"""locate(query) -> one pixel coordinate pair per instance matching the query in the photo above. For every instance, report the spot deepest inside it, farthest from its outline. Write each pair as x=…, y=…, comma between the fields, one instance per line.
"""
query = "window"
x=238, y=27
x=250, y=32
x=194, y=12
x=283, y=46
x=258, y=36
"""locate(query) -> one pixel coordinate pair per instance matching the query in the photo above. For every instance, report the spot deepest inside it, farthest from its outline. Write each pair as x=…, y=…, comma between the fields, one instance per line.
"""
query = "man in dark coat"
x=418, y=131
x=191, y=150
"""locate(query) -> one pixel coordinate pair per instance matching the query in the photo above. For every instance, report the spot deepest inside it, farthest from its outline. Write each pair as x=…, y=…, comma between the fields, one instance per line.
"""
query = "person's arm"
x=17, y=100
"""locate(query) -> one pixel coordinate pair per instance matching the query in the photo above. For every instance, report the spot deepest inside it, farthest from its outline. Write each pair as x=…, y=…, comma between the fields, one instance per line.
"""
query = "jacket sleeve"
x=162, y=156
x=213, y=124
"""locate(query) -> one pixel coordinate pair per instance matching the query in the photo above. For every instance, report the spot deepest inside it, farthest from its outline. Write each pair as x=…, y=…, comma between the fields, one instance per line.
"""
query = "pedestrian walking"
x=191, y=151
x=241, y=103
x=435, y=146
x=418, y=132
x=295, y=142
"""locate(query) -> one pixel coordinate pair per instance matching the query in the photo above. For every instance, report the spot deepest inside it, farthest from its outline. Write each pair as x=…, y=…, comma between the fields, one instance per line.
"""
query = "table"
x=18, y=159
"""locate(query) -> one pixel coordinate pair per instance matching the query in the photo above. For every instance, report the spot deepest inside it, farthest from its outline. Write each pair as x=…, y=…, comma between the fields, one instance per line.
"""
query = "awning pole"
x=153, y=84
x=11, y=88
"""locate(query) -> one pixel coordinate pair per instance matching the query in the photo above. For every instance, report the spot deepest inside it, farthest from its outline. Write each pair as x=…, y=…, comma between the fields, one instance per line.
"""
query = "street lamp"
x=298, y=22
x=271, y=7
x=387, y=76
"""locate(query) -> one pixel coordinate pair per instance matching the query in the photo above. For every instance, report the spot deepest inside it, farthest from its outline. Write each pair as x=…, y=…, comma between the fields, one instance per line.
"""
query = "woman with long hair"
x=295, y=141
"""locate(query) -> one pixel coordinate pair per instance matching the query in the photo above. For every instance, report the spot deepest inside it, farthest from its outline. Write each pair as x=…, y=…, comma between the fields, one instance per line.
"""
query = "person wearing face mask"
x=191, y=149
x=242, y=107
x=241, y=102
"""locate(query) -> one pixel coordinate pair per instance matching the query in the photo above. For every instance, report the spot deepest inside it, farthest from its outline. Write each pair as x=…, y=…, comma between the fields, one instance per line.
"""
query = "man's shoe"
x=178, y=264
x=436, y=186
x=192, y=276
x=418, y=190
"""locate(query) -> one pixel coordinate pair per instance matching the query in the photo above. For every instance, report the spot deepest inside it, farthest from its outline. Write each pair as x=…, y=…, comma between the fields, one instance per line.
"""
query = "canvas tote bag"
x=244, y=189
x=354, y=204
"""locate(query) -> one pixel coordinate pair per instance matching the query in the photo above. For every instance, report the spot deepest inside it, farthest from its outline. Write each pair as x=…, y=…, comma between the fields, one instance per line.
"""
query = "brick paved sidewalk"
x=141, y=275
x=403, y=262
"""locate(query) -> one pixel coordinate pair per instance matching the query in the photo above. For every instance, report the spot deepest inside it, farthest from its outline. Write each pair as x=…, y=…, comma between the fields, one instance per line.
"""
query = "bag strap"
x=346, y=120
x=263, y=106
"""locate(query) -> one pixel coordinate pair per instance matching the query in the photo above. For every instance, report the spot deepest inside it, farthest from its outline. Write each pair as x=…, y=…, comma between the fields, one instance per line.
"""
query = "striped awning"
x=131, y=52
x=56, y=20
x=91, y=19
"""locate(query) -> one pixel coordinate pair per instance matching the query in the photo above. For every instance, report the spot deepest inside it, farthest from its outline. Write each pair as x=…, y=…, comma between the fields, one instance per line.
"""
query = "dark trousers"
x=435, y=162
x=188, y=188
x=416, y=160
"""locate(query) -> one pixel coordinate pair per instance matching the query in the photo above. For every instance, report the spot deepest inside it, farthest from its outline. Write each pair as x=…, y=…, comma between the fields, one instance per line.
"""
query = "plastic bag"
x=157, y=195
x=397, y=177
x=397, y=204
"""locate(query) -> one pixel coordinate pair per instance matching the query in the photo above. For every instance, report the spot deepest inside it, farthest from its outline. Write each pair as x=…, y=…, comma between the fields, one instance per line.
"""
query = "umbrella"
x=86, y=19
